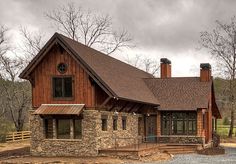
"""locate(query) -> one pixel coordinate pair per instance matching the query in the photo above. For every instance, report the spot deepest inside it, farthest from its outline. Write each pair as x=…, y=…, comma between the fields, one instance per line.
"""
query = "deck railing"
x=18, y=136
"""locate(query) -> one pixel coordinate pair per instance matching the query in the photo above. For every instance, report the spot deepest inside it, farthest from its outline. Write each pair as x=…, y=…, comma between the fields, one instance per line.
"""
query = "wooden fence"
x=18, y=136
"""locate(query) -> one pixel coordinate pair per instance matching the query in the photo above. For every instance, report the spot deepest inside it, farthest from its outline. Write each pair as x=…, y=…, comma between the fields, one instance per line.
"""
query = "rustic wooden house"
x=84, y=101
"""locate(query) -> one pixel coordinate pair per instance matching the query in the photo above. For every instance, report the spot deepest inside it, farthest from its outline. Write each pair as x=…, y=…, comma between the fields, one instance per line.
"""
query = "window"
x=124, y=122
x=104, y=122
x=78, y=128
x=115, y=122
x=62, y=87
x=63, y=129
x=62, y=68
x=48, y=124
x=179, y=123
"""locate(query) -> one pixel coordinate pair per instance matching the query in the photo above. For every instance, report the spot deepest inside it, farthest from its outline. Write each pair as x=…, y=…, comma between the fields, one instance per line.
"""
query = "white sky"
x=160, y=28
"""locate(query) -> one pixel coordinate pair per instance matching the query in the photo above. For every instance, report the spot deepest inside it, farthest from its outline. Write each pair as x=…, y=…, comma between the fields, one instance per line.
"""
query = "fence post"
x=13, y=136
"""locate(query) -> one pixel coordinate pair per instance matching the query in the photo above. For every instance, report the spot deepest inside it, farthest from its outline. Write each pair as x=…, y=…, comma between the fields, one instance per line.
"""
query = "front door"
x=151, y=128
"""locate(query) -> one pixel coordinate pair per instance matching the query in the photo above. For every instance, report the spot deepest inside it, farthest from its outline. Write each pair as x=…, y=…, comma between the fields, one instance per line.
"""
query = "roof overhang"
x=60, y=109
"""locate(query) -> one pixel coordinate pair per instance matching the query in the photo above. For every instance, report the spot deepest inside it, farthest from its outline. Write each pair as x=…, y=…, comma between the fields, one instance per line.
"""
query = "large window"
x=179, y=123
x=63, y=128
x=62, y=87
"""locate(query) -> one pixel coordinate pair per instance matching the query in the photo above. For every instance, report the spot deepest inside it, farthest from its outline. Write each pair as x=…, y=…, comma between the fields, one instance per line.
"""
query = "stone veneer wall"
x=119, y=137
x=93, y=138
x=181, y=139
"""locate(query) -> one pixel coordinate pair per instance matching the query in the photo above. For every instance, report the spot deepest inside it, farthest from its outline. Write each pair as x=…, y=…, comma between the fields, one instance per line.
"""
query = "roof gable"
x=116, y=78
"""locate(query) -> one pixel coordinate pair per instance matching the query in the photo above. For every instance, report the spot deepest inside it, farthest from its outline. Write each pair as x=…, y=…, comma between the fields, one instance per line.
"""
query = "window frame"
x=124, y=123
x=105, y=119
x=73, y=86
x=72, y=120
x=171, y=120
x=115, y=123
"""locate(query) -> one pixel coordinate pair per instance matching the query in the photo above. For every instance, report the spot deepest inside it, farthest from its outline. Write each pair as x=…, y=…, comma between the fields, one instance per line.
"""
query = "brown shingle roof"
x=180, y=93
x=120, y=79
x=59, y=109
x=123, y=79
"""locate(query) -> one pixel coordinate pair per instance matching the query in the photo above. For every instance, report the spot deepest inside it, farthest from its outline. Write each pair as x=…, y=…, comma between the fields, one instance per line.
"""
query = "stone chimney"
x=165, y=68
x=205, y=72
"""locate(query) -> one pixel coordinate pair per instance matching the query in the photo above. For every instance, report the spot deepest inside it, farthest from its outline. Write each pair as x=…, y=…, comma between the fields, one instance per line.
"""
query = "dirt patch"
x=14, y=145
x=212, y=151
x=228, y=144
x=85, y=160
x=15, y=152
x=228, y=140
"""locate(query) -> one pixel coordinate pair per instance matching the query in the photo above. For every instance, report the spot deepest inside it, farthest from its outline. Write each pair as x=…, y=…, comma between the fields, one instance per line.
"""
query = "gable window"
x=62, y=68
x=124, y=123
x=104, y=122
x=62, y=87
x=115, y=118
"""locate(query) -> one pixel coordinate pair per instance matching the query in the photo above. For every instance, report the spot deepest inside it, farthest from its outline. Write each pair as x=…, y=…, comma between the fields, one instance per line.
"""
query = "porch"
x=147, y=146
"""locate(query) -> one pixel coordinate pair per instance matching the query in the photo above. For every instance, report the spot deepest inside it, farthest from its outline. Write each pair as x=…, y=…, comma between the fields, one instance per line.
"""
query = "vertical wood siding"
x=83, y=89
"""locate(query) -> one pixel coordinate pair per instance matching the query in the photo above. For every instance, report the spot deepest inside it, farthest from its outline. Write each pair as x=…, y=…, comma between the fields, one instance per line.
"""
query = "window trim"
x=124, y=120
x=56, y=118
x=73, y=88
x=115, y=126
x=104, y=117
x=185, y=120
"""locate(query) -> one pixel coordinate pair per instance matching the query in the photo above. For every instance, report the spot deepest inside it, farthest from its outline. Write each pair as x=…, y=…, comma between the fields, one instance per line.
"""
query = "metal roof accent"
x=60, y=109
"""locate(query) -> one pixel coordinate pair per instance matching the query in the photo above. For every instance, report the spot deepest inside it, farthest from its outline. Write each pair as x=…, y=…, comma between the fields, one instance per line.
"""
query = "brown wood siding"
x=42, y=91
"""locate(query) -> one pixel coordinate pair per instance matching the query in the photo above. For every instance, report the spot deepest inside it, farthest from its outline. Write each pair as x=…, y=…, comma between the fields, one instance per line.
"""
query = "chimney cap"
x=165, y=61
x=205, y=66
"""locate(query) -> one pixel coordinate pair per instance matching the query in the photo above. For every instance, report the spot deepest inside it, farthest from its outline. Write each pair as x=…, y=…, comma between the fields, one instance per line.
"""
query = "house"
x=84, y=101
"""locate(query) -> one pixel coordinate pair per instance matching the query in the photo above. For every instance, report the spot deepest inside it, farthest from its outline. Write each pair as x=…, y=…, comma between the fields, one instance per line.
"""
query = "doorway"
x=151, y=128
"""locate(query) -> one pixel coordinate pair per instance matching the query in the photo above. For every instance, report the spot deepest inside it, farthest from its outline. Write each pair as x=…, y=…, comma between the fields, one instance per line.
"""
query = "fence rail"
x=18, y=136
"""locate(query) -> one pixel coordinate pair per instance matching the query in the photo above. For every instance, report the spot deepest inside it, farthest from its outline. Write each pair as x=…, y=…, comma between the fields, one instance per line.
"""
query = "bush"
x=226, y=121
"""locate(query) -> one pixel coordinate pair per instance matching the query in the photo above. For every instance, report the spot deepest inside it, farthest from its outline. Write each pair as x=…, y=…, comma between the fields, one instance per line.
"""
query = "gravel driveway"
x=229, y=158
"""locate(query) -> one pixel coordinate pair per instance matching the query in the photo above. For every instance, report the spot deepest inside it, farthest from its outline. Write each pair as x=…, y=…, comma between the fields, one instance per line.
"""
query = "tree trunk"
x=231, y=123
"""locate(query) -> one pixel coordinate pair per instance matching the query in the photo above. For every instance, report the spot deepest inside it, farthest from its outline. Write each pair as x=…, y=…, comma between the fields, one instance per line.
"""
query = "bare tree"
x=4, y=47
x=147, y=64
x=15, y=95
x=89, y=28
x=32, y=42
x=221, y=43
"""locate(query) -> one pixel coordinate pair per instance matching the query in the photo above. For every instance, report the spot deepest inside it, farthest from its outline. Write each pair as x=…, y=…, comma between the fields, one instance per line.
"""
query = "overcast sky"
x=160, y=28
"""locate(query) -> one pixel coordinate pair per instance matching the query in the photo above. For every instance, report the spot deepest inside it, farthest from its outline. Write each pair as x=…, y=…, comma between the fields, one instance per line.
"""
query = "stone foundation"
x=93, y=138
x=181, y=139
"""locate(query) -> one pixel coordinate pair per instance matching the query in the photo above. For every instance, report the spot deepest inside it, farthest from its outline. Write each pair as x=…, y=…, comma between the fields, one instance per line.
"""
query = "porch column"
x=215, y=124
x=54, y=129
x=158, y=123
x=71, y=129
x=199, y=123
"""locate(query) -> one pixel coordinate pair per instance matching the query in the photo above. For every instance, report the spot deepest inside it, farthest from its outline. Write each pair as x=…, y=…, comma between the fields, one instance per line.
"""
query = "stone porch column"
x=158, y=123
x=71, y=129
x=54, y=128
